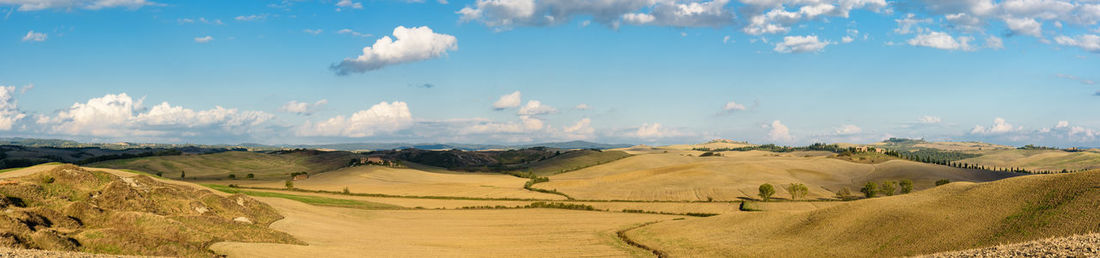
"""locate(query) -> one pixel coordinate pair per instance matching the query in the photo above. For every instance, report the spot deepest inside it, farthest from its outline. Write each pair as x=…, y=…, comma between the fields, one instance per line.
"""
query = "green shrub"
x=46, y=179
x=250, y=176
x=232, y=176
x=888, y=188
x=906, y=186
x=289, y=184
x=942, y=182
x=797, y=190
x=870, y=190
x=844, y=194
x=766, y=191
x=346, y=191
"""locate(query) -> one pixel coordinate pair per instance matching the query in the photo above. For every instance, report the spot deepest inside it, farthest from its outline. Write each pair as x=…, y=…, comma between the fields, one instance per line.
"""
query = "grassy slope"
x=677, y=176
x=220, y=165
x=314, y=200
x=1043, y=160
x=951, y=217
x=575, y=160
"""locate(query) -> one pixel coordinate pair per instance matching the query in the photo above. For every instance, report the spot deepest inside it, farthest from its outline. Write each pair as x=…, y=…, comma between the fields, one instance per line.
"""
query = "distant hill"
x=460, y=146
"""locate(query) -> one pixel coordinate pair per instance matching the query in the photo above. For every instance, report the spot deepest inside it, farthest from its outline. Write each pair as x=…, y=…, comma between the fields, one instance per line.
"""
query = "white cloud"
x=509, y=100
x=1000, y=126
x=654, y=130
x=534, y=108
x=726, y=39
x=353, y=33
x=1088, y=42
x=9, y=108
x=779, y=132
x=848, y=130
x=253, y=17
x=964, y=22
x=312, y=31
x=733, y=106
x=1062, y=124
x=204, y=39
x=940, y=40
x=1077, y=79
x=35, y=36
x=1023, y=26
x=302, y=108
x=800, y=44
x=773, y=16
x=410, y=45
x=506, y=14
x=847, y=39
x=35, y=5
x=994, y=42
x=582, y=106
x=383, y=117
x=930, y=120
x=910, y=24
x=582, y=126
x=349, y=4
x=200, y=20
x=119, y=115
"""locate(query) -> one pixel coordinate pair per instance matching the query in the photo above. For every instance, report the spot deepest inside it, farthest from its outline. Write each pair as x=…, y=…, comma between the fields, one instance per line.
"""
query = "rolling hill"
x=951, y=217
x=683, y=175
x=276, y=165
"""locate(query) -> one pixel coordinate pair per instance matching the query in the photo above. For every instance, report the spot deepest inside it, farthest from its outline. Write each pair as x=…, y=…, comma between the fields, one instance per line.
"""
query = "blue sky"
x=631, y=71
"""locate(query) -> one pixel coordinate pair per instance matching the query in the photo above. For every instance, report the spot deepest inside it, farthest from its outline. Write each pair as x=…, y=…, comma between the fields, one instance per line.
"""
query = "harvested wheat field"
x=951, y=217
x=341, y=232
x=1038, y=160
x=415, y=182
x=736, y=175
x=1071, y=246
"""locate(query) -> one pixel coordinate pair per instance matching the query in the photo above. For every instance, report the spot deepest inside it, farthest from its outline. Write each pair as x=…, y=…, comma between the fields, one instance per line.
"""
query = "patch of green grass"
x=313, y=200
x=14, y=169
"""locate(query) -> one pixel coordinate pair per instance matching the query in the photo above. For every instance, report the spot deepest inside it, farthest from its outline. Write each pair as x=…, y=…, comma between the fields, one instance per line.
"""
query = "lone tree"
x=232, y=176
x=289, y=184
x=906, y=186
x=844, y=194
x=889, y=187
x=183, y=174
x=870, y=189
x=250, y=176
x=766, y=191
x=942, y=182
x=797, y=190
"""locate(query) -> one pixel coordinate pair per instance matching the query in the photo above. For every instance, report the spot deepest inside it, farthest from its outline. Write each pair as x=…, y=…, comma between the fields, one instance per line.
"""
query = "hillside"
x=276, y=165
x=735, y=175
x=1038, y=160
x=574, y=160
x=68, y=208
x=951, y=217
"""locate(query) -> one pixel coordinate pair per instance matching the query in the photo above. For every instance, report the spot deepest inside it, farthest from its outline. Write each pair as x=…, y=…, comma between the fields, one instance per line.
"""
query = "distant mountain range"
x=57, y=143
x=460, y=146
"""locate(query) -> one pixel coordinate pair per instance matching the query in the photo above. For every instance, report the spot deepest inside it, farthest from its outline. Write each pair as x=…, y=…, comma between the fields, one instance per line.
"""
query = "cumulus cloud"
x=1000, y=126
x=779, y=132
x=384, y=117
x=778, y=16
x=581, y=127
x=253, y=17
x=848, y=130
x=910, y=24
x=1088, y=42
x=204, y=39
x=35, y=5
x=302, y=108
x=407, y=45
x=941, y=40
x=801, y=44
x=1025, y=26
x=119, y=115
x=691, y=14
x=35, y=37
x=654, y=131
x=994, y=42
x=582, y=106
x=509, y=100
x=733, y=106
x=534, y=108
x=9, y=108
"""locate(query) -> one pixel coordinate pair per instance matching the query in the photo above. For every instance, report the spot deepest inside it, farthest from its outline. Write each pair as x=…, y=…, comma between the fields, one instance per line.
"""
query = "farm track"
x=622, y=236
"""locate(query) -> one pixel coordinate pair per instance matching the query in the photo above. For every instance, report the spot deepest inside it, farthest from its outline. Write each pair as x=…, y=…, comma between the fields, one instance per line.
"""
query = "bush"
x=942, y=182
x=46, y=179
x=250, y=176
x=160, y=174
x=748, y=206
x=710, y=154
x=232, y=176
x=797, y=190
x=906, y=186
x=870, y=190
x=844, y=194
x=289, y=184
x=766, y=191
x=346, y=191
x=889, y=187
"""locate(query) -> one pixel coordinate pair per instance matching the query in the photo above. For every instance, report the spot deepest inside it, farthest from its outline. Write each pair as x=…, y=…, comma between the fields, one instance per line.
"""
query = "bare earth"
x=1072, y=246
